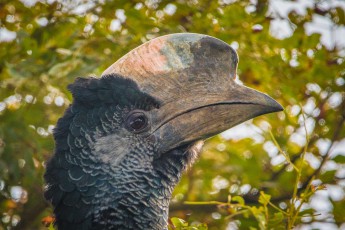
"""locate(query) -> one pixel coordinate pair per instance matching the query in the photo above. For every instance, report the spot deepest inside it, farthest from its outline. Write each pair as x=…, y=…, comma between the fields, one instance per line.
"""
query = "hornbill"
x=124, y=142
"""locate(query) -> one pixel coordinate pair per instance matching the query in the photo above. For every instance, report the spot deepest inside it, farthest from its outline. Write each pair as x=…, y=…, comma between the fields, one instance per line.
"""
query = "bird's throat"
x=144, y=193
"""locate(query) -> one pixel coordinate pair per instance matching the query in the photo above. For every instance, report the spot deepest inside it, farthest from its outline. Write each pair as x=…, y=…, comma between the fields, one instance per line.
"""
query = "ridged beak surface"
x=193, y=78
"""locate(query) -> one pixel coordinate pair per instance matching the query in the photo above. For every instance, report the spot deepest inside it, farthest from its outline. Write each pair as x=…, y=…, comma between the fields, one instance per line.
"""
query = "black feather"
x=109, y=89
x=86, y=190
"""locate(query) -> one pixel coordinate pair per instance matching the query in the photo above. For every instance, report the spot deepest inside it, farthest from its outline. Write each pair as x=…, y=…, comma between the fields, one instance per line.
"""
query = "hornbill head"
x=122, y=145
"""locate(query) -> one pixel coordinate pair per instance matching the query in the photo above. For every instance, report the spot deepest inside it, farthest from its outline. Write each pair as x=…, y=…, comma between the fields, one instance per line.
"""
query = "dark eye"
x=137, y=121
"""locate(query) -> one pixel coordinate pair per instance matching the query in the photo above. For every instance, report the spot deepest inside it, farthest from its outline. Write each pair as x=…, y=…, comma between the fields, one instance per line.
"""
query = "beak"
x=203, y=116
x=192, y=77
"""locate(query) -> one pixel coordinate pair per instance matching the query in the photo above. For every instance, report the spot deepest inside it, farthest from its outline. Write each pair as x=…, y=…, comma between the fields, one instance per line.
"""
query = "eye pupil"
x=136, y=121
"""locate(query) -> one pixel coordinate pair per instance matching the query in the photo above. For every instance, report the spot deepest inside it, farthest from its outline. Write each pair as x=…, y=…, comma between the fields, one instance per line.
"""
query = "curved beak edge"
x=197, y=122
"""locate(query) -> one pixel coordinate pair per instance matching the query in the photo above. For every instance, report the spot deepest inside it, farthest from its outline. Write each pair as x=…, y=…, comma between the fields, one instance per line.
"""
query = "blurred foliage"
x=254, y=180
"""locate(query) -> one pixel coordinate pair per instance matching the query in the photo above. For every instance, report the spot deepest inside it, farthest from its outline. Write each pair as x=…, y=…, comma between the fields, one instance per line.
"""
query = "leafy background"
x=284, y=170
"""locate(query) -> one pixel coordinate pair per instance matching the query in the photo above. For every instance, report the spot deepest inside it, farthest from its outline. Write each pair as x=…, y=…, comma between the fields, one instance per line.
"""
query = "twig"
x=335, y=137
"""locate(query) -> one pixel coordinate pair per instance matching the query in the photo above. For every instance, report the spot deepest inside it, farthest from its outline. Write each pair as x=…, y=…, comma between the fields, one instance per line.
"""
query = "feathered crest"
x=110, y=89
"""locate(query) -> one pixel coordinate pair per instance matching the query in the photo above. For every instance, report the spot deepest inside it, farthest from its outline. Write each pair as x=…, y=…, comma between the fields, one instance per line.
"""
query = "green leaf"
x=178, y=223
x=259, y=216
x=277, y=221
x=51, y=227
x=339, y=159
x=238, y=199
x=264, y=198
x=64, y=68
x=309, y=211
x=328, y=176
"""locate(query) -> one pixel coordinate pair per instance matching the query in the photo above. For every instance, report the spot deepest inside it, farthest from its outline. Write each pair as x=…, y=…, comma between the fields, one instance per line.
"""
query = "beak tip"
x=278, y=108
x=273, y=105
